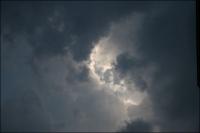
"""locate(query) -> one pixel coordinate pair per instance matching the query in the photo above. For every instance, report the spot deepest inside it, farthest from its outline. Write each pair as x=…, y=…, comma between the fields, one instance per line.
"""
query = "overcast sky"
x=99, y=66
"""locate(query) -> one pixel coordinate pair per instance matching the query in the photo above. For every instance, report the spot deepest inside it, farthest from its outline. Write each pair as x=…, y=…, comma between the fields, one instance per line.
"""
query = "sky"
x=99, y=66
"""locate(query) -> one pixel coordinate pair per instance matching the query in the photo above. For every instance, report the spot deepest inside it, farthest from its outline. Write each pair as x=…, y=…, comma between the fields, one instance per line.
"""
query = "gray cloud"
x=172, y=35
x=137, y=126
x=46, y=84
x=56, y=25
x=51, y=93
x=168, y=39
x=22, y=108
x=129, y=65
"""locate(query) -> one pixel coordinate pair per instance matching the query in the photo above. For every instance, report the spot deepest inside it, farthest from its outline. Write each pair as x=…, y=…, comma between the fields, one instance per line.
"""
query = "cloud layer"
x=95, y=66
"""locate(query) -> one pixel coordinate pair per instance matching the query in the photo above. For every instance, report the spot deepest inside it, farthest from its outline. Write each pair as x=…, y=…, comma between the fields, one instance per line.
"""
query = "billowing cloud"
x=95, y=66
x=54, y=96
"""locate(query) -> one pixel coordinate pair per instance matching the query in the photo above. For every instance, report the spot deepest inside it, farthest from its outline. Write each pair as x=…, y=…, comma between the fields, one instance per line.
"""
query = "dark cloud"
x=137, y=126
x=125, y=62
x=85, y=22
x=46, y=87
x=169, y=40
x=129, y=65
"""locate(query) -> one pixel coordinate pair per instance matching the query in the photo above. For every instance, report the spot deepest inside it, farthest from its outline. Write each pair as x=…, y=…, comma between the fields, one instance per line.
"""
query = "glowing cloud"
x=102, y=70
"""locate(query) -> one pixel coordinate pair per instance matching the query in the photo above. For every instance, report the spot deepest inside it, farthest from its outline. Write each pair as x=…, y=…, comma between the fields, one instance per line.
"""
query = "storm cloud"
x=99, y=66
x=137, y=126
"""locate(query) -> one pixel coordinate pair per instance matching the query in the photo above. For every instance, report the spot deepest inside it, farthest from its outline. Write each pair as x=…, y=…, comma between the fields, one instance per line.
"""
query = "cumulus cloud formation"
x=98, y=66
